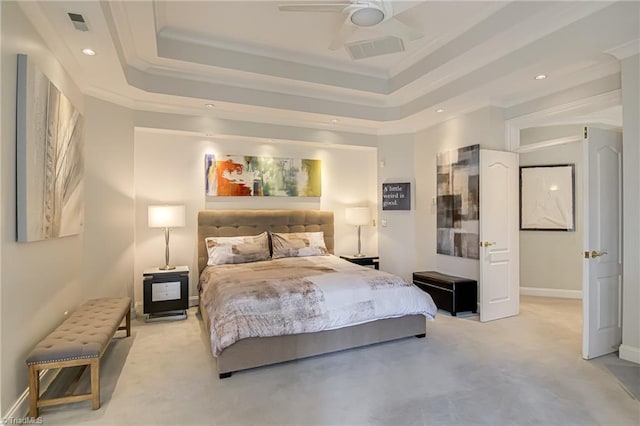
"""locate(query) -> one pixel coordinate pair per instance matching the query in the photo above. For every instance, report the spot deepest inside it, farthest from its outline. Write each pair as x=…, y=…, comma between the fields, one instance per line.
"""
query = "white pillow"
x=242, y=249
x=298, y=244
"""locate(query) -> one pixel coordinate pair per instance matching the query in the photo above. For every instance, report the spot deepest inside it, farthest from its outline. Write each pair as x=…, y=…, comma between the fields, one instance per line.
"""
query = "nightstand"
x=166, y=293
x=364, y=261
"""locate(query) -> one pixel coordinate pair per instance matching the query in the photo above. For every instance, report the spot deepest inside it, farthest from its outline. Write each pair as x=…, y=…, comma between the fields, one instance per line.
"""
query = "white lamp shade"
x=358, y=215
x=166, y=216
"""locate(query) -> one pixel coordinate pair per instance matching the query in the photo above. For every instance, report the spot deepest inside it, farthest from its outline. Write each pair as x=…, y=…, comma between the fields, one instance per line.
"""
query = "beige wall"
x=408, y=243
x=630, y=348
x=1, y=211
x=109, y=200
x=484, y=127
x=397, y=240
x=169, y=169
x=40, y=281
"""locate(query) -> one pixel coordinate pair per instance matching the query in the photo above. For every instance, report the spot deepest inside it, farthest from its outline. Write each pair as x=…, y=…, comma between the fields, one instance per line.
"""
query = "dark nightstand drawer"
x=453, y=294
x=363, y=261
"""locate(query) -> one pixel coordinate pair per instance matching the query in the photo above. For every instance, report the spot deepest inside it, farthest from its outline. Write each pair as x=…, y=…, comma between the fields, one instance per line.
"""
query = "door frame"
x=566, y=114
x=570, y=113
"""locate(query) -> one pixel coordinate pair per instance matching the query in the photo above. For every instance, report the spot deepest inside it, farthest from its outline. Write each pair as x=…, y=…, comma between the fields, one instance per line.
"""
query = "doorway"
x=542, y=123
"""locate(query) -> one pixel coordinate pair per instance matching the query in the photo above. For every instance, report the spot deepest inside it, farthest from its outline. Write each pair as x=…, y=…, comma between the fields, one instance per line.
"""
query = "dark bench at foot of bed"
x=451, y=293
x=79, y=341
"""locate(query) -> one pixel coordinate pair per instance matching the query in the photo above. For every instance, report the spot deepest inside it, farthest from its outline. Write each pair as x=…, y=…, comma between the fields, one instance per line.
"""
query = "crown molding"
x=625, y=50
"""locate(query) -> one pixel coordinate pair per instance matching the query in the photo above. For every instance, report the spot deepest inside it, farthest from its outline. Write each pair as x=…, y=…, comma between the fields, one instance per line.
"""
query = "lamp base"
x=359, y=255
x=166, y=268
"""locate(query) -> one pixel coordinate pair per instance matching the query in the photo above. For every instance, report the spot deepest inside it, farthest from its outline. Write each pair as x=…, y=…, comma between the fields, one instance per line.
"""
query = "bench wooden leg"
x=95, y=383
x=34, y=390
x=128, y=320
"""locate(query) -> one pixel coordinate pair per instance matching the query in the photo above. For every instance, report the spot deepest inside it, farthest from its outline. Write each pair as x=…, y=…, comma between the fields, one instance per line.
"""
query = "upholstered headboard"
x=231, y=223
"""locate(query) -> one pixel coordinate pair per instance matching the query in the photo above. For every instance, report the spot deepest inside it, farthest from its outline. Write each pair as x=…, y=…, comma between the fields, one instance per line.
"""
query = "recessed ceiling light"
x=88, y=52
x=541, y=76
x=439, y=110
x=209, y=105
x=335, y=120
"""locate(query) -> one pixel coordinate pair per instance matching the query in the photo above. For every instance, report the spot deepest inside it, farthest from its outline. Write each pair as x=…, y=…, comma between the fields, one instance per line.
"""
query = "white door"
x=602, y=256
x=499, y=239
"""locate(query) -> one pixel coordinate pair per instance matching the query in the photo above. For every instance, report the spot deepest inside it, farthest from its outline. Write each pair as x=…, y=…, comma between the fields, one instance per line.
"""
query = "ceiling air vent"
x=78, y=21
x=376, y=47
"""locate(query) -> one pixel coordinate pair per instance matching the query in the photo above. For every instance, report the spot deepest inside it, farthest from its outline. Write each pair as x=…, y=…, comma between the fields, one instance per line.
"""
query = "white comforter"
x=301, y=295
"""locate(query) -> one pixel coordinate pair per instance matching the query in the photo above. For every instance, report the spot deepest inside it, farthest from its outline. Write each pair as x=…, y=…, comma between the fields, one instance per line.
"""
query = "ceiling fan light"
x=367, y=17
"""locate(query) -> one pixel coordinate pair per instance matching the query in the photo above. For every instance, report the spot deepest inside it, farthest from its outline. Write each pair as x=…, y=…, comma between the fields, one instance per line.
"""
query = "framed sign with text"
x=396, y=196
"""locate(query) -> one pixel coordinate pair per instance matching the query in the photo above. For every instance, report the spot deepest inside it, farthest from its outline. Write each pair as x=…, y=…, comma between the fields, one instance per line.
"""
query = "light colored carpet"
x=525, y=370
x=628, y=375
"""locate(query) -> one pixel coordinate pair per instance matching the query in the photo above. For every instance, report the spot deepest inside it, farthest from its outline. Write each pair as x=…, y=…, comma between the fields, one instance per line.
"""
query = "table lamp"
x=166, y=217
x=358, y=216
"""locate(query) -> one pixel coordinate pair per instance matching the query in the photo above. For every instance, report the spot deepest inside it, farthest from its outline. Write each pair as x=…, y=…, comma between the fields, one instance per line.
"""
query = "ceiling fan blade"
x=402, y=6
x=344, y=32
x=313, y=7
x=393, y=27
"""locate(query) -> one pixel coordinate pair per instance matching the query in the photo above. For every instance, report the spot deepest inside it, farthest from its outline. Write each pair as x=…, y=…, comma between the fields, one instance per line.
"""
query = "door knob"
x=595, y=254
x=487, y=243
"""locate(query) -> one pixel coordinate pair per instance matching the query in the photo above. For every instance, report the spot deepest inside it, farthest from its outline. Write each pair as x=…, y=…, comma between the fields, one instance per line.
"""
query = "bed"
x=244, y=352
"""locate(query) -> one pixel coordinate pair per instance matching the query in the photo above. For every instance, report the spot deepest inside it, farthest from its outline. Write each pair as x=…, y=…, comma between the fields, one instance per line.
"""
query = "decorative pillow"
x=243, y=249
x=298, y=244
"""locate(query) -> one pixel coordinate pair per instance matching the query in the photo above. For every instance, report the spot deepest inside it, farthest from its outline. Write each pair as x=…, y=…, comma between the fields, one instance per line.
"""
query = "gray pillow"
x=298, y=244
x=243, y=249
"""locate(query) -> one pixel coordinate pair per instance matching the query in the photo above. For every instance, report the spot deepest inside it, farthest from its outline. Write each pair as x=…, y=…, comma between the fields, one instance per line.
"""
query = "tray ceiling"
x=257, y=63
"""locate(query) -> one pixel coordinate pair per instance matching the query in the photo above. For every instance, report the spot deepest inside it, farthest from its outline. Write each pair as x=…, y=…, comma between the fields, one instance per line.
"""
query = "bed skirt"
x=259, y=351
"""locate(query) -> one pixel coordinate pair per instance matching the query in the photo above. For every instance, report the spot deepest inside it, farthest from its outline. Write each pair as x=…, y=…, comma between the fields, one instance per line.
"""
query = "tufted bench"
x=79, y=341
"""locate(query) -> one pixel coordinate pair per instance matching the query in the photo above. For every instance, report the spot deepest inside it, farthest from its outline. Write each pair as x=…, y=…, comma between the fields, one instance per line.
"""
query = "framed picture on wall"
x=396, y=196
x=245, y=175
x=547, y=198
x=458, y=202
x=49, y=158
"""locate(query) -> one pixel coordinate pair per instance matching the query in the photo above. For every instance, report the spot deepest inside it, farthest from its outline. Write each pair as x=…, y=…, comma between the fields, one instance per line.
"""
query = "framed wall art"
x=238, y=175
x=49, y=158
x=547, y=198
x=458, y=202
x=396, y=196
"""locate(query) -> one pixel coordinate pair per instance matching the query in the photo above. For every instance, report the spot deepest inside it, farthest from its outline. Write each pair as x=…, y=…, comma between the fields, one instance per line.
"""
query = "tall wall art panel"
x=49, y=163
x=458, y=201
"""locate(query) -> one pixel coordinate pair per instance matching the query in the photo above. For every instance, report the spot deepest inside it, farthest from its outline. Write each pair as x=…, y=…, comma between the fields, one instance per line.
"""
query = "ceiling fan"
x=376, y=14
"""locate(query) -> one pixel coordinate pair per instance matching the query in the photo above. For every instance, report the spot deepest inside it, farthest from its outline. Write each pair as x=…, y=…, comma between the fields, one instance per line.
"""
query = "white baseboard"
x=629, y=353
x=194, y=301
x=20, y=409
x=551, y=292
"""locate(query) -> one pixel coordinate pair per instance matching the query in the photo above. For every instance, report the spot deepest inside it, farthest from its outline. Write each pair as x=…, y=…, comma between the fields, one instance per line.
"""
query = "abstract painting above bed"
x=247, y=175
x=301, y=295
